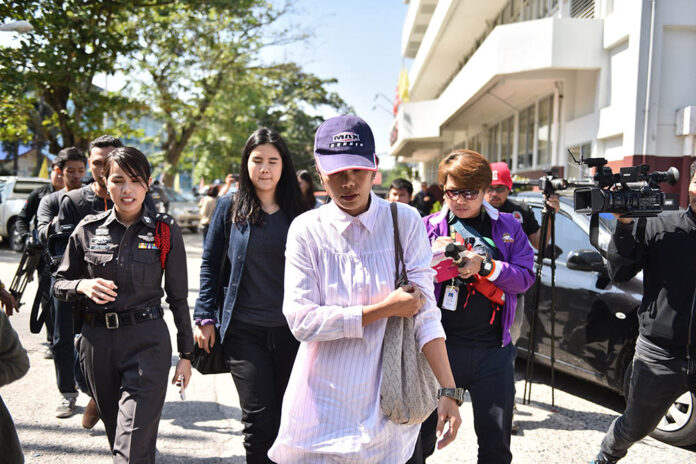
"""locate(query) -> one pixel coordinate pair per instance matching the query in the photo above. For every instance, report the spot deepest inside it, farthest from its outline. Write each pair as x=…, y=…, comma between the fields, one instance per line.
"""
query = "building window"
x=507, y=132
x=582, y=9
x=544, y=131
x=493, y=133
x=525, y=140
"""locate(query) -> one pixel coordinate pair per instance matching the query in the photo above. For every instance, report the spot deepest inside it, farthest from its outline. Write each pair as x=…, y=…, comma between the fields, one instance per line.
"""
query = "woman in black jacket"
x=252, y=229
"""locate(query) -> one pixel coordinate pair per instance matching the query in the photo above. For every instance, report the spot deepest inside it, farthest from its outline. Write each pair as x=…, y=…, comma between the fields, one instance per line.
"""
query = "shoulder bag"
x=408, y=394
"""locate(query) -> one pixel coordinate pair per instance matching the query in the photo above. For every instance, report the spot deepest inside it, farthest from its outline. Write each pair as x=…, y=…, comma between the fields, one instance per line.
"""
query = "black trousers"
x=657, y=380
x=260, y=360
x=127, y=370
x=489, y=376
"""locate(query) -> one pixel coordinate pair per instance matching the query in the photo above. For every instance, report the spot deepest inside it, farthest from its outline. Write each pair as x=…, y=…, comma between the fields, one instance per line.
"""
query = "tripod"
x=548, y=221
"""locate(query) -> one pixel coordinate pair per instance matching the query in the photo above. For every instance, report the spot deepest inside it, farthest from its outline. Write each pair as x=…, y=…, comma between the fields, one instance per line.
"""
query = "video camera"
x=633, y=192
x=548, y=184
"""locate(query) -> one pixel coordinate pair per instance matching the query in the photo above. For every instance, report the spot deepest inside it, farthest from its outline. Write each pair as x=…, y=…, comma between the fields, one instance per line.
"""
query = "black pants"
x=489, y=376
x=260, y=360
x=127, y=370
x=657, y=380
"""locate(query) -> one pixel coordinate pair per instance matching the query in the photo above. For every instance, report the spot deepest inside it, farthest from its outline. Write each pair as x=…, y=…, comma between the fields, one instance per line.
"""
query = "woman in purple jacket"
x=478, y=328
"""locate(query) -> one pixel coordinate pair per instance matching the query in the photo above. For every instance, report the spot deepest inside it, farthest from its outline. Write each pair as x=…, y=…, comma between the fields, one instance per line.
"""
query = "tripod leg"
x=531, y=343
x=553, y=307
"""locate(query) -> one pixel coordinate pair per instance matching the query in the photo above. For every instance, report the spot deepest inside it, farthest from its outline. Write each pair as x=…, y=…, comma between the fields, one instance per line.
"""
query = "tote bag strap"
x=400, y=265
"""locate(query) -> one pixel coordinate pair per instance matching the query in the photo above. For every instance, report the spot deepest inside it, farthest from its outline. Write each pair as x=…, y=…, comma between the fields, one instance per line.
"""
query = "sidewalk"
x=206, y=428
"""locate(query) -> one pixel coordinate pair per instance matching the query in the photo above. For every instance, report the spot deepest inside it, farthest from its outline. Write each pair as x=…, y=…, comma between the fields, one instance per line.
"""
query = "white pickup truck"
x=14, y=192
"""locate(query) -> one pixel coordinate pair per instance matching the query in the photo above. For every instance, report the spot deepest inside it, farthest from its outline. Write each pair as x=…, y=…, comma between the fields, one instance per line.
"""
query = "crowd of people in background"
x=298, y=295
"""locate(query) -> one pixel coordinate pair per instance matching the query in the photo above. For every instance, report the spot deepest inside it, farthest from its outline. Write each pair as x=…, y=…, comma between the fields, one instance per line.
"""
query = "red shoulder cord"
x=162, y=240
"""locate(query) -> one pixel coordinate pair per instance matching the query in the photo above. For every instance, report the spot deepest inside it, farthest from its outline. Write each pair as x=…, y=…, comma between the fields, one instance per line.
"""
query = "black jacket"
x=667, y=255
x=28, y=213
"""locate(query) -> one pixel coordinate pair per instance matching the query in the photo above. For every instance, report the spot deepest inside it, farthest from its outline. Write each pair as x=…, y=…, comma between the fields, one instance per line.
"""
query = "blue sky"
x=358, y=42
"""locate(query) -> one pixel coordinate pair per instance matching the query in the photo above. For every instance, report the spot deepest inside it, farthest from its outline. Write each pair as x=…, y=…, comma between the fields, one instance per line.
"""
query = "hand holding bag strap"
x=399, y=263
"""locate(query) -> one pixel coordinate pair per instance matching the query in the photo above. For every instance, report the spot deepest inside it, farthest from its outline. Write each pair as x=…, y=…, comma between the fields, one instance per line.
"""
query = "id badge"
x=449, y=302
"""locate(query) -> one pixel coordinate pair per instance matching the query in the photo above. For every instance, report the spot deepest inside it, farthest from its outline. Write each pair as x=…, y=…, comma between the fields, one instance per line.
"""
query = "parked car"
x=14, y=192
x=184, y=209
x=596, y=323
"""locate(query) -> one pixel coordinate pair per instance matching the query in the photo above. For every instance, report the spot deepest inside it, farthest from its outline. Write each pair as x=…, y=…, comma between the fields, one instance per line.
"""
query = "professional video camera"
x=634, y=192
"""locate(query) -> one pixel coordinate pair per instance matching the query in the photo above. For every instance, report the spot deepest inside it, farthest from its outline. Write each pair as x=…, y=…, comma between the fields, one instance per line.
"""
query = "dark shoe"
x=48, y=353
x=66, y=408
x=603, y=458
x=91, y=416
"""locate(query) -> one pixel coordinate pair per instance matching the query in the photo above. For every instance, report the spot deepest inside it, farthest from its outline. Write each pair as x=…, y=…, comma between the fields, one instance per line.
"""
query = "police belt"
x=114, y=320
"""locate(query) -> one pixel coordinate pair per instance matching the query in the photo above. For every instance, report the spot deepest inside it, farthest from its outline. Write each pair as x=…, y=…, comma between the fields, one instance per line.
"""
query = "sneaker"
x=91, y=416
x=48, y=353
x=66, y=408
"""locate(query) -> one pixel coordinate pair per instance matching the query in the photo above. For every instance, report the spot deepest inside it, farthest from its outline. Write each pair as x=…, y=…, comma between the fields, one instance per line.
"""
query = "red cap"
x=501, y=175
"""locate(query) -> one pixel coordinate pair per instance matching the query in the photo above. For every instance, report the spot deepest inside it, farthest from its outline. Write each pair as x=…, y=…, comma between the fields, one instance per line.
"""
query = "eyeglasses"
x=467, y=194
x=497, y=189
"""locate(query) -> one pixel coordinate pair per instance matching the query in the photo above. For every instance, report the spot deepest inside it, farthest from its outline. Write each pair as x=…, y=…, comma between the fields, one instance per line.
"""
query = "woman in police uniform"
x=116, y=259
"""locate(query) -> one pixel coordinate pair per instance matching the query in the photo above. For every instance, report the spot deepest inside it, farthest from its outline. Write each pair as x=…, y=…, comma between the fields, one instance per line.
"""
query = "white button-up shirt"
x=335, y=264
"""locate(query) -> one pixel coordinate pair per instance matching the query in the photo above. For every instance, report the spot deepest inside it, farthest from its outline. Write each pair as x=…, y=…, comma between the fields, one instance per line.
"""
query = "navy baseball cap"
x=344, y=142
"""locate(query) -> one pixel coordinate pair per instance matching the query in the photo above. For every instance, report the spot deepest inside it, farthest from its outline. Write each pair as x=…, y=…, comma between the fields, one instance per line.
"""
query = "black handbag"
x=215, y=362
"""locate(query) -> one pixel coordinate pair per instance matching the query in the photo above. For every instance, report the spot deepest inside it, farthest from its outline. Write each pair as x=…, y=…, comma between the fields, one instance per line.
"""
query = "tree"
x=205, y=80
x=279, y=97
x=55, y=65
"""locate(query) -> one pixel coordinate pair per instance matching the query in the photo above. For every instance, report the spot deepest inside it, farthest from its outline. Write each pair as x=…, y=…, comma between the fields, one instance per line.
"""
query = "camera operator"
x=27, y=227
x=664, y=365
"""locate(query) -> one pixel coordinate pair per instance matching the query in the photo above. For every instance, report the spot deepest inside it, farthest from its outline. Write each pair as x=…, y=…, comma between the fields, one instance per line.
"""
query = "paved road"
x=206, y=428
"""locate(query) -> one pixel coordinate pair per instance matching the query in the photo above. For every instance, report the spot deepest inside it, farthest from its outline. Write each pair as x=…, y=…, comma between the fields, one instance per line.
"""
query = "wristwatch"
x=188, y=356
x=457, y=394
x=487, y=267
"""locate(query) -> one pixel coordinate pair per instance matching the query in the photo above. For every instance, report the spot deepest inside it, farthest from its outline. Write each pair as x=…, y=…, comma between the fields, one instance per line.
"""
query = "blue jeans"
x=657, y=380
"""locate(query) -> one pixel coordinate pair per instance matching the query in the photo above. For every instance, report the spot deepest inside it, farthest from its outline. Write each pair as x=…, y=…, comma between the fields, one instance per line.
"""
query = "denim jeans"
x=489, y=376
x=657, y=380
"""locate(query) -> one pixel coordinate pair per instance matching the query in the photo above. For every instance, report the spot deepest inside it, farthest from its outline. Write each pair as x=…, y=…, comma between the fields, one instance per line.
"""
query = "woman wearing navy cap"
x=339, y=292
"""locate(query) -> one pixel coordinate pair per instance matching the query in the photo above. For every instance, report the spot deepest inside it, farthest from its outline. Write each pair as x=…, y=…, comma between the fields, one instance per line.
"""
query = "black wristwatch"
x=188, y=356
x=457, y=394
x=487, y=267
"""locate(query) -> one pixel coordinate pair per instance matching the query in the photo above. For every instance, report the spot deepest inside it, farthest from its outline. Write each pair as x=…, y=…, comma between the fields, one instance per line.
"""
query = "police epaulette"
x=164, y=217
x=96, y=217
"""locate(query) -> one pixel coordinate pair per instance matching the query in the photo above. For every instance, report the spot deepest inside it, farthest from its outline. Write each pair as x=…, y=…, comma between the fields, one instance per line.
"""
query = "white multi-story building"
x=524, y=81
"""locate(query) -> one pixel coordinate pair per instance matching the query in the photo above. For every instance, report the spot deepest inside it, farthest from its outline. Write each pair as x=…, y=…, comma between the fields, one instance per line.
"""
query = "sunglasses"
x=497, y=189
x=467, y=194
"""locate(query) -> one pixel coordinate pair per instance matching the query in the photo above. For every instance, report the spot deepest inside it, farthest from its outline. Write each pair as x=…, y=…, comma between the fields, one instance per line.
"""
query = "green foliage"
x=194, y=65
x=55, y=65
x=204, y=81
x=400, y=170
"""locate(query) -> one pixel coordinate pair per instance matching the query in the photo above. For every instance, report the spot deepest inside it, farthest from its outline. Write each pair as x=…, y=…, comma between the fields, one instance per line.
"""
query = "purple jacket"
x=513, y=274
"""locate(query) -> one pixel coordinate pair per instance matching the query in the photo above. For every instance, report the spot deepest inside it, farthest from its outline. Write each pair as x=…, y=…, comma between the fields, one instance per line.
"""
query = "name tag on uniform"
x=100, y=243
x=449, y=302
x=101, y=231
x=147, y=246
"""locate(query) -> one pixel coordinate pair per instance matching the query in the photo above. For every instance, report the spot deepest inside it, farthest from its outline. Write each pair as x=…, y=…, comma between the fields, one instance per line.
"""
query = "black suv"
x=596, y=320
